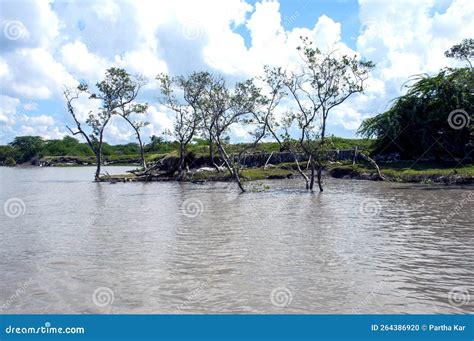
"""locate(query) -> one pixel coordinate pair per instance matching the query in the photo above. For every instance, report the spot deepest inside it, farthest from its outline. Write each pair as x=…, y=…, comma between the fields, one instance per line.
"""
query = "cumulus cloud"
x=406, y=38
x=47, y=45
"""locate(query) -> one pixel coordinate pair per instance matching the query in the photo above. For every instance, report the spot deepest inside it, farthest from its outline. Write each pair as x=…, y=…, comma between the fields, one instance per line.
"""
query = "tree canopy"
x=430, y=120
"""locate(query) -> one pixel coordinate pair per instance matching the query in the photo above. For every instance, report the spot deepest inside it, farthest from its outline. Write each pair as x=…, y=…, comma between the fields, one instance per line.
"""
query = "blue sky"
x=47, y=45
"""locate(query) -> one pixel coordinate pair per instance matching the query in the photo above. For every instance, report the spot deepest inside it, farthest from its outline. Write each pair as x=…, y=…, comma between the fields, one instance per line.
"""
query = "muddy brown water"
x=69, y=245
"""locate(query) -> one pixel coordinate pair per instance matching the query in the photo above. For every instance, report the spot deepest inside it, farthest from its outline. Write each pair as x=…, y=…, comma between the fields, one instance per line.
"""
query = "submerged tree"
x=222, y=108
x=114, y=92
x=276, y=84
x=325, y=81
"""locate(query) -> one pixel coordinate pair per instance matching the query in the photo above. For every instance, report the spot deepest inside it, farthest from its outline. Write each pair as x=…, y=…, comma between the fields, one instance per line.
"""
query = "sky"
x=47, y=45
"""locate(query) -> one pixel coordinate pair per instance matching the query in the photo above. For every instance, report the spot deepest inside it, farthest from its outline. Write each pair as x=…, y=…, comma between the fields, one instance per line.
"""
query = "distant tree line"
x=32, y=148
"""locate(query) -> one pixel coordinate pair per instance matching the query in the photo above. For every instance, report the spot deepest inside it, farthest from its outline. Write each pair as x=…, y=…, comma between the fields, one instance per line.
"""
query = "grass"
x=406, y=171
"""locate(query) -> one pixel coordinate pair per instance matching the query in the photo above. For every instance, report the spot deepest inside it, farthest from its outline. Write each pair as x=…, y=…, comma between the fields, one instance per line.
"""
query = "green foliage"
x=159, y=145
x=462, y=51
x=68, y=146
x=27, y=147
x=6, y=152
x=419, y=123
x=10, y=161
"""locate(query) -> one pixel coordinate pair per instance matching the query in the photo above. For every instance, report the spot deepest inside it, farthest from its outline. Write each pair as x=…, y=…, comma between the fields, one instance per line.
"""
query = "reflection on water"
x=360, y=247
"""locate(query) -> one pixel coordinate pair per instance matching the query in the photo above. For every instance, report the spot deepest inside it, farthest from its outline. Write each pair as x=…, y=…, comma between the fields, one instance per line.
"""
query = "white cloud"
x=64, y=41
x=86, y=65
x=8, y=107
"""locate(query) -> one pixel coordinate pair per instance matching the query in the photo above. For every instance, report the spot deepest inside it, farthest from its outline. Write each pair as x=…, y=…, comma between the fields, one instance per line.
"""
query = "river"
x=69, y=245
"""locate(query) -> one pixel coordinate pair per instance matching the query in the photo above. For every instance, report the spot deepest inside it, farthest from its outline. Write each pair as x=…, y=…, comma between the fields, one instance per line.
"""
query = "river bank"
x=425, y=173
x=260, y=166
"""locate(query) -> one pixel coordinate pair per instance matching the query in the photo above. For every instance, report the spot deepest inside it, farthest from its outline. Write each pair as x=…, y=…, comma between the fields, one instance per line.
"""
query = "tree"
x=126, y=112
x=325, y=81
x=7, y=154
x=116, y=91
x=276, y=85
x=462, y=51
x=27, y=147
x=430, y=120
x=186, y=109
x=221, y=108
x=129, y=108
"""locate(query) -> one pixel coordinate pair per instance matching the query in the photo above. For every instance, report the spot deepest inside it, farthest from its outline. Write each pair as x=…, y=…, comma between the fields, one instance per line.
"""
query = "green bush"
x=10, y=162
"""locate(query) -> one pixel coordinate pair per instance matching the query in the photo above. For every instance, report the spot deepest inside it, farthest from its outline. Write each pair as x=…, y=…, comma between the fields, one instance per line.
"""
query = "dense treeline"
x=32, y=148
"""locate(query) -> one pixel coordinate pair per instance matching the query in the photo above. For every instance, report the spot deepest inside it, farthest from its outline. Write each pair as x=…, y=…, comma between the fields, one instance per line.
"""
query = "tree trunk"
x=211, y=156
x=311, y=185
x=230, y=167
x=320, y=183
x=372, y=161
x=181, y=163
x=98, y=157
x=305, y=177
x=142, y=150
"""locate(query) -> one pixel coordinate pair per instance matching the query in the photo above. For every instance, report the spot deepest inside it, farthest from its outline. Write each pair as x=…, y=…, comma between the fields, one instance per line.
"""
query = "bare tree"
x=222, y=108
x=325, y=81
x=187, y=114
x=114, y=92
